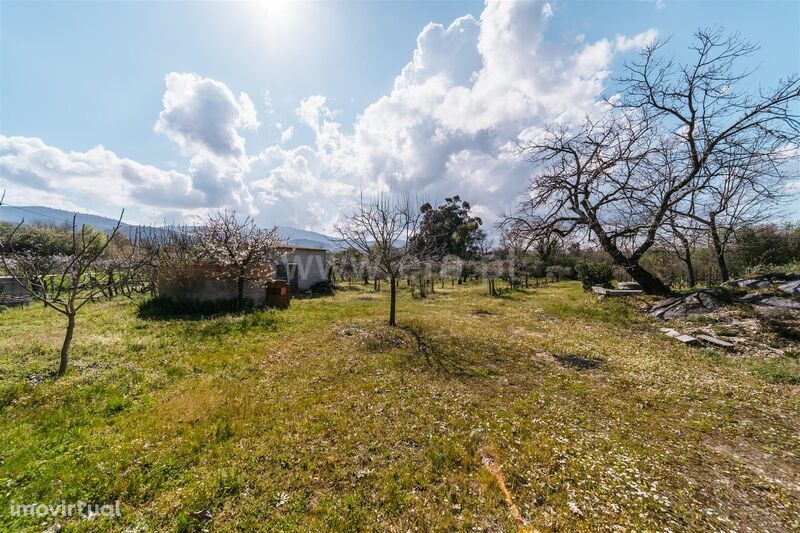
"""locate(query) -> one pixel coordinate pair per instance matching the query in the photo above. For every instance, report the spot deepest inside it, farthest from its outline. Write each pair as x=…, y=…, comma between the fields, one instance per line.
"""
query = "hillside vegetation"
x=321, y=417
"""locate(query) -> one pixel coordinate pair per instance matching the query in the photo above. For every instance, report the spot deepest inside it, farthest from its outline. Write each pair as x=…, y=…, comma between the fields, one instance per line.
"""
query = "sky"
x=288, y=110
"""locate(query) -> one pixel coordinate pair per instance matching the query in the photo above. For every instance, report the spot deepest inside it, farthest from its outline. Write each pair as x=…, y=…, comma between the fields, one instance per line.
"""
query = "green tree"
x=449, y=229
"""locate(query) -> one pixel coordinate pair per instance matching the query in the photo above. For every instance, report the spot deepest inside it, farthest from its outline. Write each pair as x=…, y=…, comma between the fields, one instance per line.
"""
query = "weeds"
x=320, y=417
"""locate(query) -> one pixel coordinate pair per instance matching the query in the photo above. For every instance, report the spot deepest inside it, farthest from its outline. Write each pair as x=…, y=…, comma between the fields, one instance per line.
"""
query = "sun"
x=275, y=15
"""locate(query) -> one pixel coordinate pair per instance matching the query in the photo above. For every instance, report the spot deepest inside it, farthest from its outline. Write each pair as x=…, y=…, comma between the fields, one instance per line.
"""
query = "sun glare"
x=275, y=16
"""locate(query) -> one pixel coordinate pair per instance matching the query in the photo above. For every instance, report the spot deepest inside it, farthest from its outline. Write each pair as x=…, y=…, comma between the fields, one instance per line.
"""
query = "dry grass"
x=322, y=417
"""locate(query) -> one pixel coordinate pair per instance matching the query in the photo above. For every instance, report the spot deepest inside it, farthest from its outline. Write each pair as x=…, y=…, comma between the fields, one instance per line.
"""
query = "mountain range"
x=35, y=214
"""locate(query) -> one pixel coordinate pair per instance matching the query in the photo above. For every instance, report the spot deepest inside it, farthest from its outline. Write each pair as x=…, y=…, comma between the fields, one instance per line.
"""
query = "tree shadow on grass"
x=578, y=362
x=436, y=356
x=167, y=309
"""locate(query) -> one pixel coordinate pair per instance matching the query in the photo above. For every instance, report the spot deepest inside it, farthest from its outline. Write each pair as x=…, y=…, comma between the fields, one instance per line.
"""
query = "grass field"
x=320, y=417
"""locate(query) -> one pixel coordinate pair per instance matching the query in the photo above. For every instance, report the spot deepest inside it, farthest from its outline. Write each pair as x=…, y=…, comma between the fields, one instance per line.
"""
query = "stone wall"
x=198, y=283
x=9, y=287
x=311, y=266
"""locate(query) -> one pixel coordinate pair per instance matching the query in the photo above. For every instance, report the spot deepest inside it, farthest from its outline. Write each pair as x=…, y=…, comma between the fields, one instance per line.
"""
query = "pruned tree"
x=382, y=228
x=618, y=177
x=451, y=266
x=65, y=282
x=239, y=249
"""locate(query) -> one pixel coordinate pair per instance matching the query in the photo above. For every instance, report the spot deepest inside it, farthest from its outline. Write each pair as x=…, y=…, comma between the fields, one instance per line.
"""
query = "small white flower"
x=574, y=508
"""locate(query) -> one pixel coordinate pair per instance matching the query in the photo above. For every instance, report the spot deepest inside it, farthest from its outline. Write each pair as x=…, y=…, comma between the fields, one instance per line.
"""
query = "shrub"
x=594, y=274
x=322, y=287
x=559, y=272
x=165, y=308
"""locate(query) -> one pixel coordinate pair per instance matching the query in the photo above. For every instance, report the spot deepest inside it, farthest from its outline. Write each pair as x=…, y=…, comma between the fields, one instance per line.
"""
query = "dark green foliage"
x=768, y=244
x=559, y=272
x=450, y=230
x=594, y=274
x=322, y=287
x=48, y=240
x=166, y=308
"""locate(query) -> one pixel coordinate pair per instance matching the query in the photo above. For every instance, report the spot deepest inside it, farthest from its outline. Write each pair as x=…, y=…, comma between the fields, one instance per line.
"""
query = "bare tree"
x=680, y=237
x=66, y=282
x=739, y=187
x=383, y=228
x=239, y=249
x=618, y=177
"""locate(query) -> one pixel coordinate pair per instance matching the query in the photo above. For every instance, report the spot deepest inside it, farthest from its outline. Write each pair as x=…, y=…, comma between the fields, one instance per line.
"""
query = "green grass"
x=320, y=417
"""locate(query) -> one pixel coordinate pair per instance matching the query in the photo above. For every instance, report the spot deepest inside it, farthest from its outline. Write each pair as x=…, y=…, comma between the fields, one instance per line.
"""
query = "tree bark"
x=649, y=283
x=392, y=300
x=690, y=270
x=240, y=295
x=719, y=249
x=62, y=368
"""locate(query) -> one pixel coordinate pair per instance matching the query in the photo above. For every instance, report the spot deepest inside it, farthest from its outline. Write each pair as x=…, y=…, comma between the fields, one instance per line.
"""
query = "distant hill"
x=35, y=214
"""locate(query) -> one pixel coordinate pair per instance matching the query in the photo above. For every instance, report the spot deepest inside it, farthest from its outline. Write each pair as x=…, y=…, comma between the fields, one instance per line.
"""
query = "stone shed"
x=302, y=268
x=12, y=292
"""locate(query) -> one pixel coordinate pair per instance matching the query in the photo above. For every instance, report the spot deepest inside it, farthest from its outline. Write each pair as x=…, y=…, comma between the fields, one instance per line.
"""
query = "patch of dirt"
x=578, y=362
x=352, y=331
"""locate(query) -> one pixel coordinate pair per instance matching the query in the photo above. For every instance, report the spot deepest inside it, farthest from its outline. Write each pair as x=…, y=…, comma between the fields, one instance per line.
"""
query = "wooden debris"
x=602, y=291
x=686, y=339
x=717, y=343
x=669, y=332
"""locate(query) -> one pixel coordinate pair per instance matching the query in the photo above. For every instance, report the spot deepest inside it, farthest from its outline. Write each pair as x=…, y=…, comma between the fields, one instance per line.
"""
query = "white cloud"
x=625, y=44
x=286, y=135
x=445, y=127
x=203, y=115
x=268, y=103
x=29, y=165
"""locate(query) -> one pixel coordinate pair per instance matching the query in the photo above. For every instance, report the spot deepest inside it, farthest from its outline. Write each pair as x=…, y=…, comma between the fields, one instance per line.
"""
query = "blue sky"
x=333, y=109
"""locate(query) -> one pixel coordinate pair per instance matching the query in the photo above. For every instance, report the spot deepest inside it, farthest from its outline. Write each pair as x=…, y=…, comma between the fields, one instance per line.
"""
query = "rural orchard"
x=600, y=330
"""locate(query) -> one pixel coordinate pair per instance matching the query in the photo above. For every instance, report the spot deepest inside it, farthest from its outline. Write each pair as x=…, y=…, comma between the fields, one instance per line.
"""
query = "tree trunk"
x=392, y=300
x=240, y=294
x=62, y=367
x=649, y=283
x=690, y=269
x=719, y=250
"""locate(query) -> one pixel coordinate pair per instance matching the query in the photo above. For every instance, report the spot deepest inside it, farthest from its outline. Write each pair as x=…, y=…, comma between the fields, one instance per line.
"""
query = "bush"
x=594, y=274
x=559, y=272
x=165, y=308
x=322, y=287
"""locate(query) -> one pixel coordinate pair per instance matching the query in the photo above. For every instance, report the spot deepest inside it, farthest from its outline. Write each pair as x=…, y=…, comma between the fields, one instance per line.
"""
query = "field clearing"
x=321, y=417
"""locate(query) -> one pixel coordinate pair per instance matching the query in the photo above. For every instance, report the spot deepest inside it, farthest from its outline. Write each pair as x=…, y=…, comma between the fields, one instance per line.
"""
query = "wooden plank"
x=686, y=339
x=718, y=343
x=622, y=292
